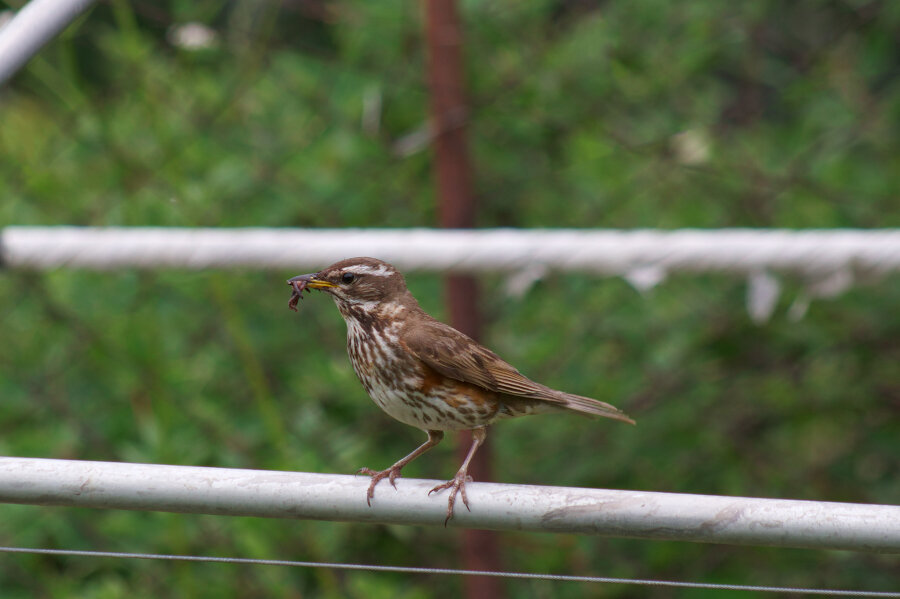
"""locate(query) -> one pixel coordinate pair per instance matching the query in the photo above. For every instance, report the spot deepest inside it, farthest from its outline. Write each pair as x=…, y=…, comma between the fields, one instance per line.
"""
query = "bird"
x=424, y=372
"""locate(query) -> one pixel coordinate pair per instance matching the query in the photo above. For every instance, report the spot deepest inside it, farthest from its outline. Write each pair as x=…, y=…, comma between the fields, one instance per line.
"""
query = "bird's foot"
x=392, y=474
x=456, y=485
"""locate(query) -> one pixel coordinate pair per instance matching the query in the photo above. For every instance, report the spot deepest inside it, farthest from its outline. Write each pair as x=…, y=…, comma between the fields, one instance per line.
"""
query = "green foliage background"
x=576, y=111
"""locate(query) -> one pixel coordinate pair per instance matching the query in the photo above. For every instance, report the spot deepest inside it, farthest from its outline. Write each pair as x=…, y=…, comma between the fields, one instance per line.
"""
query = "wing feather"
x=455, y=355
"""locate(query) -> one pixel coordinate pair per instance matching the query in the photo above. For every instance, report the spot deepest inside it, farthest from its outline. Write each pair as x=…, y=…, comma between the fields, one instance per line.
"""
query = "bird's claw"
x=392, y=474
x=456, y=485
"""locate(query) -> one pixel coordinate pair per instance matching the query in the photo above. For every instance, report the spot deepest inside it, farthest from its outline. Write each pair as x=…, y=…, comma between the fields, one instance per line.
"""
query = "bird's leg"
x=458, y=482
x=392, y=473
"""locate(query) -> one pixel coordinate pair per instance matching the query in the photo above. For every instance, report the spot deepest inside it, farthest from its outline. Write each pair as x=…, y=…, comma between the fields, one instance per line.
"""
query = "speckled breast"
x=410, y=391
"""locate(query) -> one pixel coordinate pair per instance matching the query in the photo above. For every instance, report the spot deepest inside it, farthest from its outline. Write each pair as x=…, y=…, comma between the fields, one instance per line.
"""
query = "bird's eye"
x=347, y=278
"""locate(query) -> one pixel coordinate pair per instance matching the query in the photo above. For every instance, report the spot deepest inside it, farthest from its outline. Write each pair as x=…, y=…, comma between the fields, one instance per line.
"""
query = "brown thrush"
x=425, y=373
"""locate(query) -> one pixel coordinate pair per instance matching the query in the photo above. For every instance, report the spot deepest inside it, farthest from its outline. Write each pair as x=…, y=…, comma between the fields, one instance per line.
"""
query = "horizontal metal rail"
x=36, y=24
x=645, y=254
x=273, y=494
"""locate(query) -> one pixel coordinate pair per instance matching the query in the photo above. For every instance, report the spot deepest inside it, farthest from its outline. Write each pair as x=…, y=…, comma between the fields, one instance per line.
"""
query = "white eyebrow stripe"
x=383, y=270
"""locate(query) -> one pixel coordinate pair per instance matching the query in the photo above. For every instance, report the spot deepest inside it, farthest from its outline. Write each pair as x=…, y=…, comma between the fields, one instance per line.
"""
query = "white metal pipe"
x=839, y=254
x=34, y=25
x=272, y=494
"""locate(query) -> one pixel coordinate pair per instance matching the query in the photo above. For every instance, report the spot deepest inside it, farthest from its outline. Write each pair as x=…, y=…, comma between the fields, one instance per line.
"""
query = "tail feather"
x=592, y=407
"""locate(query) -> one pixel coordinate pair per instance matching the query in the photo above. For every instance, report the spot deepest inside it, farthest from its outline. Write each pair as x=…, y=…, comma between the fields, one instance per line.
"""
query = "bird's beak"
x=311, y=281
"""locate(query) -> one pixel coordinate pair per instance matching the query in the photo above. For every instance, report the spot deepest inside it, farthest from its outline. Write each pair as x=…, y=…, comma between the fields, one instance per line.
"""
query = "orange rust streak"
x=432, y=379
x=455, y=393
x=467, y=393
x=453, y=401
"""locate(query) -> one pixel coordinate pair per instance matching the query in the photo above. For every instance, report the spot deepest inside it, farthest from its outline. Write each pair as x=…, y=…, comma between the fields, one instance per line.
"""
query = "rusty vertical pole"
x=453, y=174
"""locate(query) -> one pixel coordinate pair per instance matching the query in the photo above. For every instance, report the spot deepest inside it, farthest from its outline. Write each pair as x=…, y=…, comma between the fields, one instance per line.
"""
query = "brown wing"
x=458, y=356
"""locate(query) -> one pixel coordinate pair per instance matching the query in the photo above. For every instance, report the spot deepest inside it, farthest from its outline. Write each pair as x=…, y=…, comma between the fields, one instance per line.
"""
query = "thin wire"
x=414, y=570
